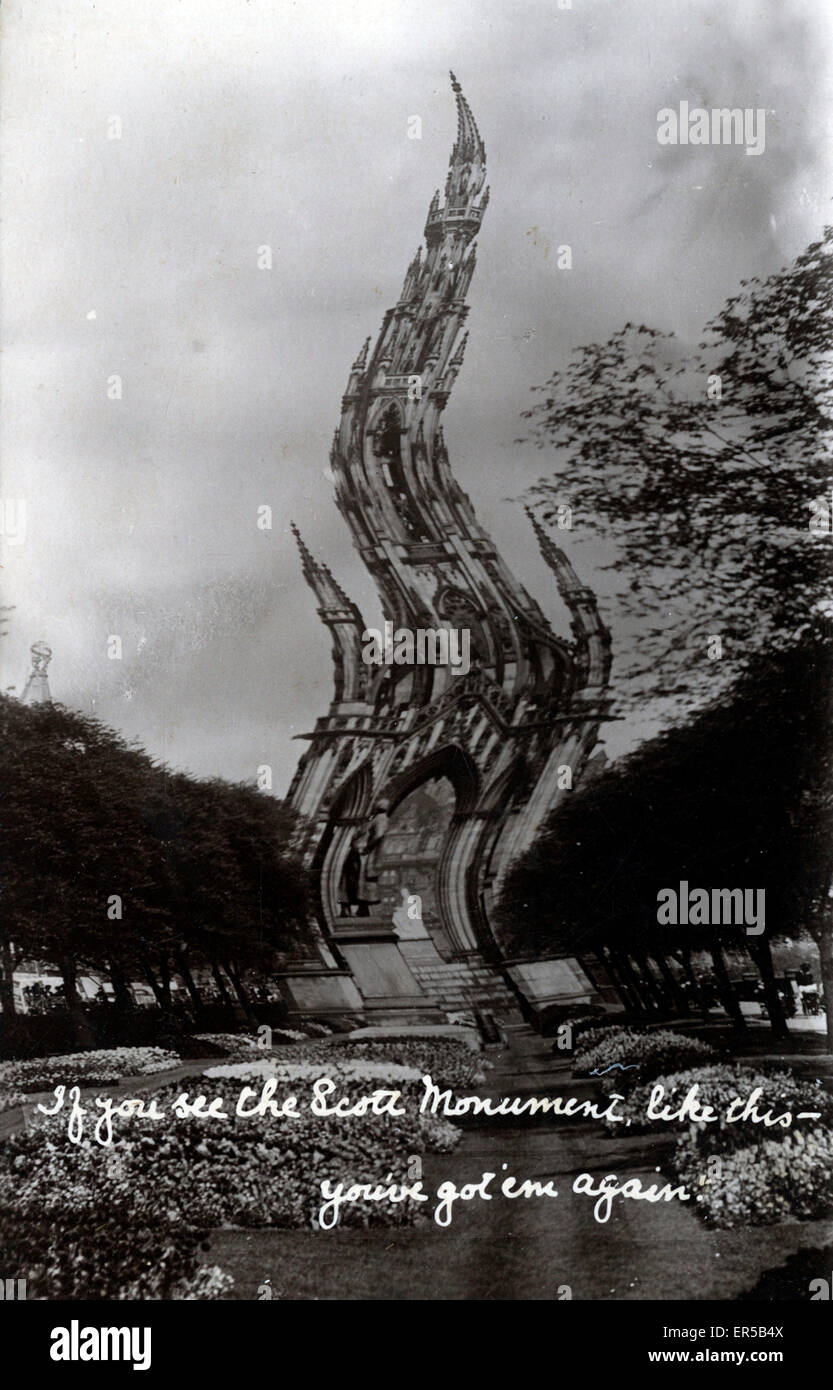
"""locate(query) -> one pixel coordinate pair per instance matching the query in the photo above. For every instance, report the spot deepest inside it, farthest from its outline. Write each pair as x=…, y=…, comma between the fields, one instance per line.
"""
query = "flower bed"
x=590, y=1038
x=428, y=1032
x=10, y=1099
x=649, y=1054
x=125, y=1221
x=741, y=1172
x=774, y=1180
x=313, y=1028
x=309, y=1071
x=718, y=1086
x=597, y=1023
x=80, y=1230
x=450, y=1061
x=100, y=1068
x=246, y=1045
x=231, y=1044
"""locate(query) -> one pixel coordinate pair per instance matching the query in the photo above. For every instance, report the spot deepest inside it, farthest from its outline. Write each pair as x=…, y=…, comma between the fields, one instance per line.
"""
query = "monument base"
x=388, y=987
x=320, y=990
x=549, y=984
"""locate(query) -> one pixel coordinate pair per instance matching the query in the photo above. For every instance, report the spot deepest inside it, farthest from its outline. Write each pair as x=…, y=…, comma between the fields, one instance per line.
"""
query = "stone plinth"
x=385, y=980
x=319, y=990
x=544, y=983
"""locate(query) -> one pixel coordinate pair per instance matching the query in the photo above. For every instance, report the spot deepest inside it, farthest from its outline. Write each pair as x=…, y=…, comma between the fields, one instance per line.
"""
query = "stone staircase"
x=462, y=984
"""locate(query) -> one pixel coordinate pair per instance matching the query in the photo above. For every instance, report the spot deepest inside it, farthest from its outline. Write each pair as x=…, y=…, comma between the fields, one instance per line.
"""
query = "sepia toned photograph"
x=416, y=801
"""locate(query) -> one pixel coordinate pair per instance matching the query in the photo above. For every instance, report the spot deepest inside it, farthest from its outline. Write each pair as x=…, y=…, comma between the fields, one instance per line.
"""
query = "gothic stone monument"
x=458, y=770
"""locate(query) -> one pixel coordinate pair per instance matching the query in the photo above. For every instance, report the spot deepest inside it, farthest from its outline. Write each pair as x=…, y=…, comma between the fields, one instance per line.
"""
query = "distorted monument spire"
x=532, y=700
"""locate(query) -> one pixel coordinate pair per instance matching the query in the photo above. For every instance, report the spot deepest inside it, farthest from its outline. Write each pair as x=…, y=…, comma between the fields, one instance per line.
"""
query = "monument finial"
x=469, y=144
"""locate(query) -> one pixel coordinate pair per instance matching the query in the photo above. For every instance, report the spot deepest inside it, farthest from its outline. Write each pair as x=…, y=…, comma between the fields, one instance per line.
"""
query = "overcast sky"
x=253, y=122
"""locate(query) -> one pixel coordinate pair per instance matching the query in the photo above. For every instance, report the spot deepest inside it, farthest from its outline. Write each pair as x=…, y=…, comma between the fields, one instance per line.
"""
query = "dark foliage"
x=111, y=863
x=741, y=796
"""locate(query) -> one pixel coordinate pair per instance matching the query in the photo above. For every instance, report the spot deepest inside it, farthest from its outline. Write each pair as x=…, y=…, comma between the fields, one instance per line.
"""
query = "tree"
x=711, y=471
x=740, y=797
x=241, y=892
x=112, y=863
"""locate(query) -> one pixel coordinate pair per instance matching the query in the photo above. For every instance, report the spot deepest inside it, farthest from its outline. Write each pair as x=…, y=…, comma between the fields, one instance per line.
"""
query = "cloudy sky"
x=263, y=122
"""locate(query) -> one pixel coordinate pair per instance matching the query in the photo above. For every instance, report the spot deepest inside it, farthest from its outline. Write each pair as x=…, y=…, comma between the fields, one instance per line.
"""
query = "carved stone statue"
x=348, y=884
x=371, y=852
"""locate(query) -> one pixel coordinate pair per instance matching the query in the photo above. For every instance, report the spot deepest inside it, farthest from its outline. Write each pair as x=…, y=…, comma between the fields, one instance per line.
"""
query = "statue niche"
x=409, y=859
x=358, y=885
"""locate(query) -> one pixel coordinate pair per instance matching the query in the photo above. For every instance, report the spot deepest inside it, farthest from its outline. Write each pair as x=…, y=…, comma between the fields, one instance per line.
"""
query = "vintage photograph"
x=416, y=801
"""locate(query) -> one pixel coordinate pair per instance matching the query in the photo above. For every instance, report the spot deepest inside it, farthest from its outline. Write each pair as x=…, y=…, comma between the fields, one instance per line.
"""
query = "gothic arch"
x=449, y=761
x=456, y=885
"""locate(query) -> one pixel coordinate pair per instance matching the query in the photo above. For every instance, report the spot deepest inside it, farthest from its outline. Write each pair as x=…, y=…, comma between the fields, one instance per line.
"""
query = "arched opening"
x=387, y=450
x=350, y=807
x=409, y=866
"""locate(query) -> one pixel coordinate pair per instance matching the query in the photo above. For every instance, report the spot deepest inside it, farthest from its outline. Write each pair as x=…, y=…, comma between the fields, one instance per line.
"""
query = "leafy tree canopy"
x=201, y=865
x=712, y=470
x=740, y=797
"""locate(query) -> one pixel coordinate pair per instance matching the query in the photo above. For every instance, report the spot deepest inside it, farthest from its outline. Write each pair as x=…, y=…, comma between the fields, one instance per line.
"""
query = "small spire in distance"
x=36, y=690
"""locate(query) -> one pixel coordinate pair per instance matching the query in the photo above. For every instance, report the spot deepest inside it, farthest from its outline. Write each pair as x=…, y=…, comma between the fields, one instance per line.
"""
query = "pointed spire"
x=468, y=145
x=568, y=580
x=465, y=179
x=36, y=690
x=314, y=572
x=361, y=360
x=591, y=635
x=357, y=370
x=457, y=359
x=412, y=275
x=320, y=578
x=344, y=621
